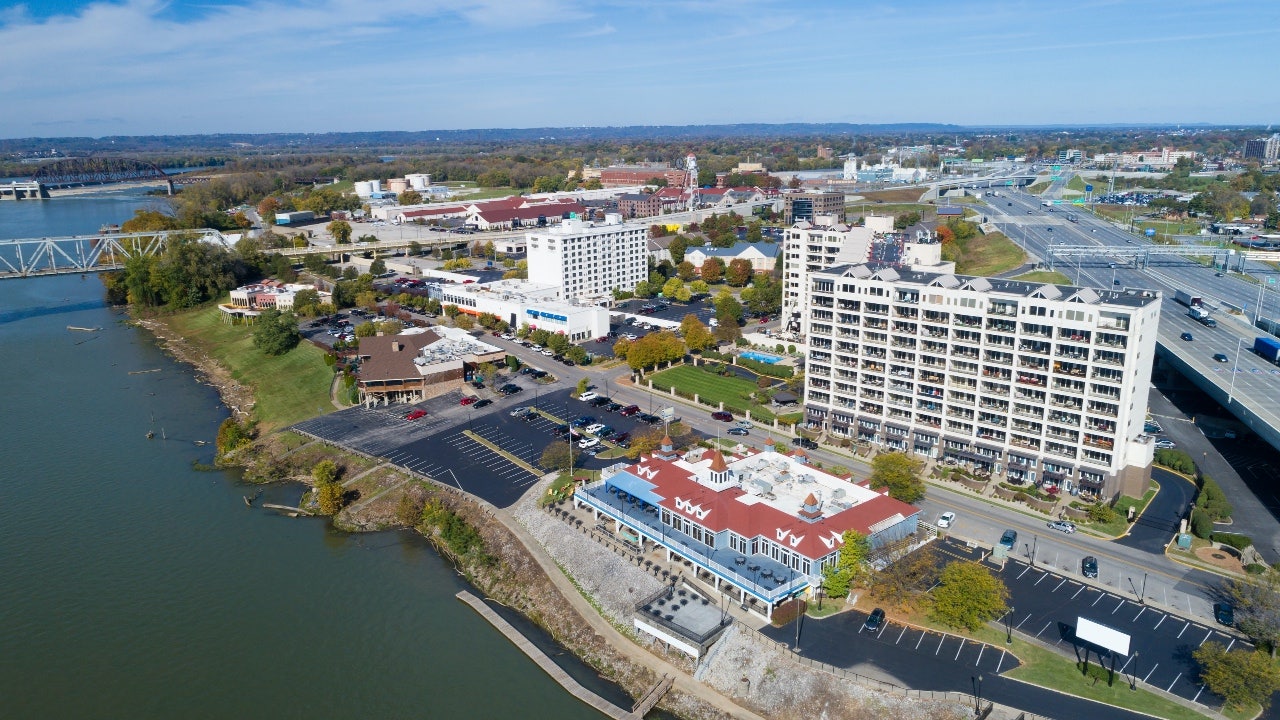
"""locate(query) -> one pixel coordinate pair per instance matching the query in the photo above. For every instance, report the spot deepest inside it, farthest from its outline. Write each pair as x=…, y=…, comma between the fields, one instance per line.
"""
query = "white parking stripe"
x=1042, y=577
x=904, y=632
x=1184, y=628
x=1082, y=587
x=920, y=640
x=1175, y=680
x=1046, y=627
x=1233, y=642
x=1162, y=619
x=1024, y=572
x=1197, y=697
x=1153, y=669
x=1126, y=663
x=1064, y=582
x=1001, y=663
x=1028, y=617
x=1122, y=602
x=941, y=640
x=1135, y=617
x=981, y=648
x=958, y=651
x=1095, y=602
x=1206, y=637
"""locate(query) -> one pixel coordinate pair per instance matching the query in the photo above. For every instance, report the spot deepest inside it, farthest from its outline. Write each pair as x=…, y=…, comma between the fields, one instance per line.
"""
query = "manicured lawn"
x=1048, y=669
x=1038, y=188
x=1167, y=227
x=1123, y=503
x=289, y=388
x=988, y=255
x=1076, y=183
x=861, y=208
x=1045, y=276
x=733, y=391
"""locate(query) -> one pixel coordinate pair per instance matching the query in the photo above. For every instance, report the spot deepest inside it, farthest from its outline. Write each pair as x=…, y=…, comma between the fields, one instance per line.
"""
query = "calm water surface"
x=134, y=586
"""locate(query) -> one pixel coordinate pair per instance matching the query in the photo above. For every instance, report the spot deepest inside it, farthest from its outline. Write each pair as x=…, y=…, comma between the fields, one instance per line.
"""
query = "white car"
x=587, y=443
x=588, y=395
x=548, y=353
x=593, y=429
x=630, y=336
x=536, y=348
x=1163, y=444
x=508, y=336
x=946, y=519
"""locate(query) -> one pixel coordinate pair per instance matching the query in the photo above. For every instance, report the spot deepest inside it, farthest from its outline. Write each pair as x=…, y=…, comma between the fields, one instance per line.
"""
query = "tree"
x=686, y=271
x=699, y=286
x=1212, y=500
x=556, y=456
x=851, y=564
x=340, y=230
x=330, y=497
x=325, y=471
x=1257, y=607
x=671, y=287
x=409, y=197
x=677, y=247
x=1241, y=677
x=377, y=267
x=583, y=384
x=578, y=354
x=968, y=596
x=366, y=329
x=900, y=473
x=464, y=321
x=276, y=333
x=513, y=363
x=695, y=334
x=268, y=208
x=738, y=273
x=712, y=269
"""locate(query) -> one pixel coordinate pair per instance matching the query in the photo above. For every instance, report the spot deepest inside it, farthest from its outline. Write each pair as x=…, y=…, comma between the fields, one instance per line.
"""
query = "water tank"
x=418, y=181
x=375, y=185
x=364, y=188
x=397, y=185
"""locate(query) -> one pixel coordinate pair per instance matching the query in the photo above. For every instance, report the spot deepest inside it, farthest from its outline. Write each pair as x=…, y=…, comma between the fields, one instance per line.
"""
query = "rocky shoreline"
x=746, y=675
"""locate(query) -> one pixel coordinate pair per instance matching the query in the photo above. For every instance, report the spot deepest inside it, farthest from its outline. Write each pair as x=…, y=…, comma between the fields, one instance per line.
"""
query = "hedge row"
x=762, y=368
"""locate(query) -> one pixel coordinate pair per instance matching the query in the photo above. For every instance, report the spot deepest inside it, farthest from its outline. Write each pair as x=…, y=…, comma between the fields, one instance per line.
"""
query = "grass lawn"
x=289, y=388
x=988, y=255
x=733, y=391
x=1045, y=276
x=859, y=209
x=897, y=195
x=1168, y=227
x=1038, y=188
x=1076, y=183
x=1123, y=503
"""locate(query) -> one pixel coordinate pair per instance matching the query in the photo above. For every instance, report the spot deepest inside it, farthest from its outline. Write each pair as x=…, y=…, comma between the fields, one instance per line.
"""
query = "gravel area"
x=751, y=668
x=609, y=578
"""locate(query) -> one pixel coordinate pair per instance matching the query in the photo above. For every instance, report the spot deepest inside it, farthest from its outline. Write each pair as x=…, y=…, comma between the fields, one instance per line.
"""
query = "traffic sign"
x=1008, y=182
x=1088, y=188
x=1151, y=232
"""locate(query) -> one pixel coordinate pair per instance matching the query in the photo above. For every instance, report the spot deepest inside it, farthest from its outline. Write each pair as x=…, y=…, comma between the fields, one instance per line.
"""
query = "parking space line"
x=1135, y=617
x=904, y=632
x=941, y=639
x=1149, y=672
x=1042, y=577
x=1046, y=627
x=999, y=664
x=1024, y=572
x=886, y=627
x=1122, y=602
x=922, y=634
x=1126, y=663
x=1064, y=582
x=1095, y=602
x=1175, y=680
x=1206, y=637
x=1197, y=697
x=1028, y=617
x=1233, y=642
x=1082, y=587
x=1162, y=619
x=1184, y=629
x=958, y=651
x=981, y=648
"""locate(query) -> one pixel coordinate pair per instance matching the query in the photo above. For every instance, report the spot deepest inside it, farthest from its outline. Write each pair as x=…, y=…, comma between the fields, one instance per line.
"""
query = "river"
x=134, y=585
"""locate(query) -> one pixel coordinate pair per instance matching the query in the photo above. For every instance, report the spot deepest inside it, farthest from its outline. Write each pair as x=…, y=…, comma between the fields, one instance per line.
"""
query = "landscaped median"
x=508, y=456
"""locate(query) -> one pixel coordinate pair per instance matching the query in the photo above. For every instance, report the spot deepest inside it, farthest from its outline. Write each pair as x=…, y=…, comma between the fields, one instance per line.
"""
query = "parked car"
x=1062, y=526
x=1165, y=444
x=745, y=424
x=467, y=399
x=599, y=401
x=583, y=421
x=588, y=443
x=805, y=443
x=588, y=395
x=946, y=519
x=1225, y=614
x=483, y=403
x=595, y=428
x=649, y=419
x=629, y=410
x=415, y=414
x=621, y=438
x=722, y=416
x=1009, y=539
x=874, y=621
x=510, y=389
x=1089, y=567
x=522, y=410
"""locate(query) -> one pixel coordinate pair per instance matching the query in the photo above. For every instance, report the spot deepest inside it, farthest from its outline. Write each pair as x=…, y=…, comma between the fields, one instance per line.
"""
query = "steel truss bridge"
x=75, y=172
x=1141, y=256
x=33, y=257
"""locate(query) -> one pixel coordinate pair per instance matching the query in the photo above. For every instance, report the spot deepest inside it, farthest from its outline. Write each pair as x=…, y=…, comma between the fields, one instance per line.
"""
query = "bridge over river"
x=32, y=257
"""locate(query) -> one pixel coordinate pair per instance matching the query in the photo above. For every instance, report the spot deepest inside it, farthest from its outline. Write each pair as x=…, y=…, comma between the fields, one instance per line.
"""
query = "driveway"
x=1158, y=524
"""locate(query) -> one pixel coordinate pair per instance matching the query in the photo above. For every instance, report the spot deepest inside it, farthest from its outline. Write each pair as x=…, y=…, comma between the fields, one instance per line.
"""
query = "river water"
x=132, y=585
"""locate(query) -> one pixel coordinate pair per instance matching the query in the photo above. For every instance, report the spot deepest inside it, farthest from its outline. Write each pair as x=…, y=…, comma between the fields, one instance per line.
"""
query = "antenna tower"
x=691, y=180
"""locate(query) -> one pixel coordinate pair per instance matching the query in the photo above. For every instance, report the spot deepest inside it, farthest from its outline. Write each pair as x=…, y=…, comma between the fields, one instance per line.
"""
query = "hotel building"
x=1040, y=383
x=589, y=260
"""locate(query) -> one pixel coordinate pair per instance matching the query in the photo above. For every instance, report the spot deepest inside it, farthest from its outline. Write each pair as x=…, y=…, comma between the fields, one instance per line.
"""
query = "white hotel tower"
x=1039, y=382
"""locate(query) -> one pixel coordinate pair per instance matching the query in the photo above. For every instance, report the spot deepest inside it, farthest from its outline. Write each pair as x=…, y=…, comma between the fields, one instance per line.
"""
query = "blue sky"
x=131, y=67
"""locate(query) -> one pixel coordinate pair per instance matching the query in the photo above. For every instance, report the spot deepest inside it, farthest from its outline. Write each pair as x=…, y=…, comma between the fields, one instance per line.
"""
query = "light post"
x=1133, y=676
x=1008, y=626
x=976, y=683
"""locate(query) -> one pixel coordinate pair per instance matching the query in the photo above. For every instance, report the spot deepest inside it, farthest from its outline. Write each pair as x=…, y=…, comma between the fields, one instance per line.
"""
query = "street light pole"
x=1133, y=676
x=1008, y=627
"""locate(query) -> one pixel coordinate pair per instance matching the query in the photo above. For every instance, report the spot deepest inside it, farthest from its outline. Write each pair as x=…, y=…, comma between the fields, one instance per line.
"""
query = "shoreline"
x=524, y=565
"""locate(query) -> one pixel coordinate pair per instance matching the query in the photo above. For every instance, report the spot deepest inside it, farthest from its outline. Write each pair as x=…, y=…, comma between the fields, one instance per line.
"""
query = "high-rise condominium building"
x=589, y=260
x=1029, y=381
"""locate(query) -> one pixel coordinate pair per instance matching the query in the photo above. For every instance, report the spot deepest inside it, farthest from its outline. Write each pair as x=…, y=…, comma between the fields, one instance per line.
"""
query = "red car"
x=629, y=410
x=416, y=414
x=722, y=416
x=467, y=399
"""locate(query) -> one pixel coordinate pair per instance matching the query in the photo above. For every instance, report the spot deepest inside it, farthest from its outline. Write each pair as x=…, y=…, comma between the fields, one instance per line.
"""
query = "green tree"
x=324, y=472
x=1212, y=500
x=555, y=456
x=366, y=329
x=409, y=197
x=276, y=333
x=583, y=384
x=1241, y=677
x=968, y=596
x=513, y=363
x=340, y=230
x=330, y=497
x=712, y=270
x=558, y=343
x=1257, y=607
x=578, y=354
x=738, y=273
x=377, y=267
x=851, y=564
x=699, y=287
x=686, y=271
x=671, y=287
x=231, y=435
x=900, y=473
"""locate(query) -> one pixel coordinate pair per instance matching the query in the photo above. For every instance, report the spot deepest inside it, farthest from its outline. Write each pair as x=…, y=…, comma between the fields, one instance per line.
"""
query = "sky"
x=163, y=67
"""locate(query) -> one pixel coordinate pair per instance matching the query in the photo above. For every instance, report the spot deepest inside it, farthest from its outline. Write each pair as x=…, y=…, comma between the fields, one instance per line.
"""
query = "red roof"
x=721, y=510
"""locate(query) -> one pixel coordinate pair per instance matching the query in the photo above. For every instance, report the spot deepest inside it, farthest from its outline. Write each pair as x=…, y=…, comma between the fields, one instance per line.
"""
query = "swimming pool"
x=761, y=357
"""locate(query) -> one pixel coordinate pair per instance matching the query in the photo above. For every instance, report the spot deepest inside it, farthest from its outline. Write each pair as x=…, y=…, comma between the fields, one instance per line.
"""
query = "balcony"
x=1077, y=336
x=1025, y=411
x=1102, y=443
x=1024, y=443
x=1032, y=380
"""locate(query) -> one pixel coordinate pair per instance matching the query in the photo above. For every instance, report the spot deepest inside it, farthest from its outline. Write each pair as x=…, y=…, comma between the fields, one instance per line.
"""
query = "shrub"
x=790, y=418
x=760, y=368
x=1103, y=513
x=788, y=611
x=1212, y=500
x=1201, y=524
x=1235, y=540
x=1255, y=569
x=1176, y=460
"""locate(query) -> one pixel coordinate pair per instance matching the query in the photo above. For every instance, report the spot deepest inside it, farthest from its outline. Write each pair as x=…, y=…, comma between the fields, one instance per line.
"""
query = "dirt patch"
x=1220, y=558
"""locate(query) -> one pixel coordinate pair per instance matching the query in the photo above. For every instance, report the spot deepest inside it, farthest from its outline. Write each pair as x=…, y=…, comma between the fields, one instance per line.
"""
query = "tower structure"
x=691, y=180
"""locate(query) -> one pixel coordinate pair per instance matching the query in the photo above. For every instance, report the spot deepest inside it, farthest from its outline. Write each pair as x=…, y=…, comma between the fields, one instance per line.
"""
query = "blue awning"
x=634, y=486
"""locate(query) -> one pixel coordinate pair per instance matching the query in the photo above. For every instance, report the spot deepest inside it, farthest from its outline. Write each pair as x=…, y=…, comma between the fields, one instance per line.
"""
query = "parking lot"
x=437, y=444
x=1047, y=606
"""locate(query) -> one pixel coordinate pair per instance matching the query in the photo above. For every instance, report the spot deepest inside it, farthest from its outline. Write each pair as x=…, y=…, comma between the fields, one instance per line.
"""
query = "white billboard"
x=1102, y=636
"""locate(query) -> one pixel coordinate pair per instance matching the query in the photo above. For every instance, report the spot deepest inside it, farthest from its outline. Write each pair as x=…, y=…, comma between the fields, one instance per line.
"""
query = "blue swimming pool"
x=761, y=357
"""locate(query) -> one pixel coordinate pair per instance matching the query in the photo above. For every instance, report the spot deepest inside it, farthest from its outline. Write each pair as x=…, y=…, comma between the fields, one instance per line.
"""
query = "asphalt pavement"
x=1159, y=523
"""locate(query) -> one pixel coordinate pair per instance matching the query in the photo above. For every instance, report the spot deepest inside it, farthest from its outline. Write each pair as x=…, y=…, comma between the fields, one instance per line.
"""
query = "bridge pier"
x=23, y=191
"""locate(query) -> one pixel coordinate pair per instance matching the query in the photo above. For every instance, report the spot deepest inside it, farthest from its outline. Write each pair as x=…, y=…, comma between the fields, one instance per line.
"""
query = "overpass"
x=32, y=257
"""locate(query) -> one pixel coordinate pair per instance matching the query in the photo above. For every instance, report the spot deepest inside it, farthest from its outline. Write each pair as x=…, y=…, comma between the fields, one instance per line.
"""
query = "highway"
x=1246, y=384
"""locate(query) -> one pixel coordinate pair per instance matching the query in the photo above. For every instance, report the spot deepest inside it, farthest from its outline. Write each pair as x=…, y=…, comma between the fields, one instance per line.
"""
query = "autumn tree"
x=409, y=197
x=1257, y=607
x=738, y=273
x=968, y=596
x=695, y=334
x=672, y=287
x=653, y=349
x=686, y=271
x=268, y=208
x=900, y=473
x=712, y=270
x=555, y=456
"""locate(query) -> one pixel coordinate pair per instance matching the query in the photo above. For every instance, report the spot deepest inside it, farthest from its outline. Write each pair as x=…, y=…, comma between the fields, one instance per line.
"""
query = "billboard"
x=1150, y=232
x=1102, y=636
